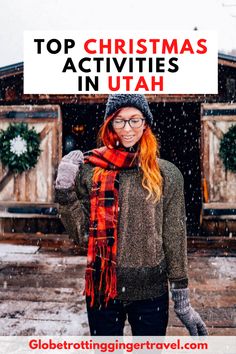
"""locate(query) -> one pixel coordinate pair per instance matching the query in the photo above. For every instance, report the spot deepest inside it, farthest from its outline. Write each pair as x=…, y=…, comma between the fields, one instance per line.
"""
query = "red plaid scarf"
x=102, y=245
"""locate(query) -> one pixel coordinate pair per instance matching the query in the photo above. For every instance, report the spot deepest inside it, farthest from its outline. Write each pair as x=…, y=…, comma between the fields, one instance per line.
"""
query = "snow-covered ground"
x=42, y=293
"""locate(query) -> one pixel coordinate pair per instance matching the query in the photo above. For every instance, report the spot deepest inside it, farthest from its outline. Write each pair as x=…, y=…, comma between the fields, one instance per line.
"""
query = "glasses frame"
x=128, y=121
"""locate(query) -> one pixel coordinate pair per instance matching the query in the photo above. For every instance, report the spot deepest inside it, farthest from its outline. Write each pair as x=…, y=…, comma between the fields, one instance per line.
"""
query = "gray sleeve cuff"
x=178, y=283
x=65, y=196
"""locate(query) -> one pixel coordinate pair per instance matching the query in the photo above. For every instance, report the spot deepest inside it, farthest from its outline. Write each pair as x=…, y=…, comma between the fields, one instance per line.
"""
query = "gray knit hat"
x=118, y=101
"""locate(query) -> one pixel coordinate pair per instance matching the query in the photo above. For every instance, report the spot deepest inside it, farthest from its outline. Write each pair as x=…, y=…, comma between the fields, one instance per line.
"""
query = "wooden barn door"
x=34, y=187
x=218, y=184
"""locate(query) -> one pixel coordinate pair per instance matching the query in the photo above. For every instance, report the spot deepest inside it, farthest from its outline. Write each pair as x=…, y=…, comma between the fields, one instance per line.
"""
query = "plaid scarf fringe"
x=102, y=247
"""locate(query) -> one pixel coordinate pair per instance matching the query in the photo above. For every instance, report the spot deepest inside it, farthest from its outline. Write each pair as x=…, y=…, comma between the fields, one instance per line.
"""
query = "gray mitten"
x=68, y=169
x=187, y=315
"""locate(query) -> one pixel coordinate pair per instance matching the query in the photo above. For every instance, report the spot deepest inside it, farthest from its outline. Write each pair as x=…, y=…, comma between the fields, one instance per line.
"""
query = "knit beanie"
x=117, y=101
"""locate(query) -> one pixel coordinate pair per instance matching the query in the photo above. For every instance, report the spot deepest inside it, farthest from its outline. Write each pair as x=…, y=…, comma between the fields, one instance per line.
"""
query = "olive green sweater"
x=152, y=243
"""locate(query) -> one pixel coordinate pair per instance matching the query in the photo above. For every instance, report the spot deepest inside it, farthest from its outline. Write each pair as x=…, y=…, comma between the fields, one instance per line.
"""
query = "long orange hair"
x=148, y=151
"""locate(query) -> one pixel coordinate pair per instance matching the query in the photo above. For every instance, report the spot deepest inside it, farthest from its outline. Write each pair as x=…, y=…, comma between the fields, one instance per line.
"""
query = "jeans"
x=146, y=317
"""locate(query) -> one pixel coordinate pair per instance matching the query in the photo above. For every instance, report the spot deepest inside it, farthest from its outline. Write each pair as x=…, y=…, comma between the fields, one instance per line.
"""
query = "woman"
x=131, y=204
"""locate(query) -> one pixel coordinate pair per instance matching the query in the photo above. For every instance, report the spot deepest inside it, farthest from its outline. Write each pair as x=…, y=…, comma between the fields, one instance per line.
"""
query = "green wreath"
x=227, y=150
x=19, y=147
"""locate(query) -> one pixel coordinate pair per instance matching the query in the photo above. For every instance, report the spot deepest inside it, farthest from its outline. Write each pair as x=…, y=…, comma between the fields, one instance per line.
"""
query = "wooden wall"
x=220, y=183
x=36, y=185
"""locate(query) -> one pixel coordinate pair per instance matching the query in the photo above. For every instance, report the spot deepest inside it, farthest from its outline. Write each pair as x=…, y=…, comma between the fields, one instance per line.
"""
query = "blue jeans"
x=146, y=317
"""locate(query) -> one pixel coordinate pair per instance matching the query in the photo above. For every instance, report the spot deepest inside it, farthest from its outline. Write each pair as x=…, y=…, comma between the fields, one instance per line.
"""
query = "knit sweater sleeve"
x=174, y=227
x=73, y=209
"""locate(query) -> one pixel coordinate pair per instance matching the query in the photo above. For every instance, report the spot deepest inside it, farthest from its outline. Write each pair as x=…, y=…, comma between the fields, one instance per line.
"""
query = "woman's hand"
x=187, y=315
x=68, y=168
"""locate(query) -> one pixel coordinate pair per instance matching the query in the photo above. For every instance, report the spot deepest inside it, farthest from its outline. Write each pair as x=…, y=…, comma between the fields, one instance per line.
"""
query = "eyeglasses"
x=133, y=123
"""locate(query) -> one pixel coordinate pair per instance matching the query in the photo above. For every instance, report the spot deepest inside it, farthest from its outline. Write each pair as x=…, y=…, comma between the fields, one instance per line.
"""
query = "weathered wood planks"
x=41, y=293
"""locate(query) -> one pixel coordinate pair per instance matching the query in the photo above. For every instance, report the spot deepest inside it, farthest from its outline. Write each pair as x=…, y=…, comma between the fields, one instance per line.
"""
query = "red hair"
x=148, y=151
